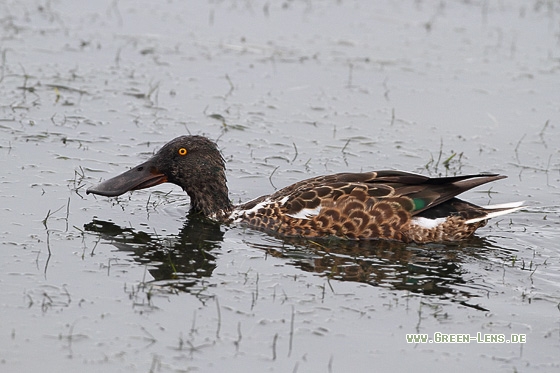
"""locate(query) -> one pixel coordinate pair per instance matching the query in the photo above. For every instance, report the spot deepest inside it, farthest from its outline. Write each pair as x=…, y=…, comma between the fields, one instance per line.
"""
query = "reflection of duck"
x=384, y=204
x=180, y=261
x=430, y=269
x=177, y=260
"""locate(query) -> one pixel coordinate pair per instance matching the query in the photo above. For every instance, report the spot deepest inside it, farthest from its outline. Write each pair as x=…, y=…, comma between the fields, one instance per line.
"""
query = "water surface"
x=289, y=91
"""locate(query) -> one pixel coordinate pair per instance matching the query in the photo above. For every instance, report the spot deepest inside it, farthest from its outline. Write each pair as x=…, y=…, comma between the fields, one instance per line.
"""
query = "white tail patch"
x=427, y=223
x=504, y=208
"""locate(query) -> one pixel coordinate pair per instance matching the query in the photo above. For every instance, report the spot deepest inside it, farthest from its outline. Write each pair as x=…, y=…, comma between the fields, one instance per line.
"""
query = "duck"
x=388, y=204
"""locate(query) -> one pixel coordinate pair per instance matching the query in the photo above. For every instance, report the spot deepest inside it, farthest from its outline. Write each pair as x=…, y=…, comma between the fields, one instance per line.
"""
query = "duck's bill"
x=140, y=177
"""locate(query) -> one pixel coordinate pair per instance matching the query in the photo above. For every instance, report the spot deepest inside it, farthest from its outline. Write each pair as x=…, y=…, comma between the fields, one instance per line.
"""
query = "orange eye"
x=182, y=151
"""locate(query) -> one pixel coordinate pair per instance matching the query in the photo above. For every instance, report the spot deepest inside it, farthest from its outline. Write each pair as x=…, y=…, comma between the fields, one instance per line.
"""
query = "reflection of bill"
x=466, y=338
x=178, y=260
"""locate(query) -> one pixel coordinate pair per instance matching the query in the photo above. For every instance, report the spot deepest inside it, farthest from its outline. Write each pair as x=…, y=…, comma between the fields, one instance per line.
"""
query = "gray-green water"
x=289, y=90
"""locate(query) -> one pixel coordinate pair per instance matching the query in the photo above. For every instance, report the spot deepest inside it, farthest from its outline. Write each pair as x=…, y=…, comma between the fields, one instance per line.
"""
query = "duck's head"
x=192, y=162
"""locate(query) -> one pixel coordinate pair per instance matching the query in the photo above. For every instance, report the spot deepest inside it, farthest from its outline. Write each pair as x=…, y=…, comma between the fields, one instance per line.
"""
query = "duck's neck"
x=211, y=198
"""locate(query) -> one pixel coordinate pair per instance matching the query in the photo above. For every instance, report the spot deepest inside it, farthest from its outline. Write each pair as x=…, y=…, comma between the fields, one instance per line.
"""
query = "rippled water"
x=289, y=91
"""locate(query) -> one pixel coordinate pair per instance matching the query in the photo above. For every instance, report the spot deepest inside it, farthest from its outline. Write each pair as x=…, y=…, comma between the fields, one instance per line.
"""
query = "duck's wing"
x=415, y=193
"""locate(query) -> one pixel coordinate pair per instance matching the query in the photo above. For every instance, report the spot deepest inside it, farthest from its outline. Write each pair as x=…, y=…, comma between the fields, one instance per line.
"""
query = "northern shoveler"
x=360, y=206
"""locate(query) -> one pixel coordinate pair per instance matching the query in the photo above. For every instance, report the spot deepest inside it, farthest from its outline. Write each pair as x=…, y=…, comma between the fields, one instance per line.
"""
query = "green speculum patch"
x=419, y=203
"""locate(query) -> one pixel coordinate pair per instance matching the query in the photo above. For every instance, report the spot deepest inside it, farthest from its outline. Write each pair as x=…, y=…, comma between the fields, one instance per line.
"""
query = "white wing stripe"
x=306, y=213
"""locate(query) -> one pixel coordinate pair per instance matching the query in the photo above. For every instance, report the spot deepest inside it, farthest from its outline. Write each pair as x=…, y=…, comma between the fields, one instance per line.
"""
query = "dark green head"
x=192, y=162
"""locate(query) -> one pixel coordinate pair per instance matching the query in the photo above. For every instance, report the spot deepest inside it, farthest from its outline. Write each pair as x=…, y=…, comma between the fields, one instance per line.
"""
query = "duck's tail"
x=497, y=210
